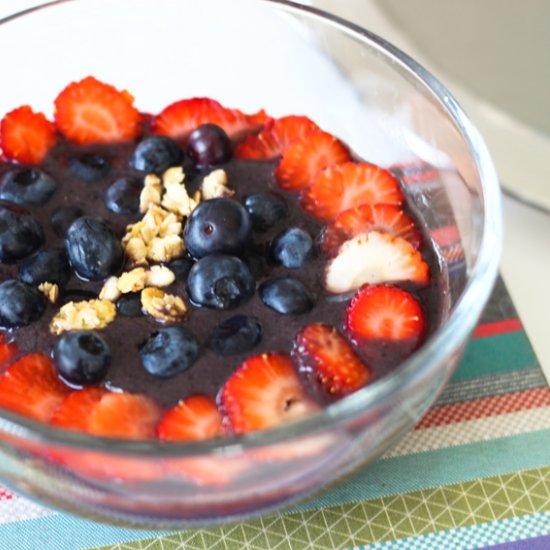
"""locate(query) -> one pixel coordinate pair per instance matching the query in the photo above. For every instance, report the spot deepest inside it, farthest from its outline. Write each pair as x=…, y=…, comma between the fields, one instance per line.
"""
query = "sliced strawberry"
x=124, y=415
x=90, y=111
x=7, y=351
x=276, y=135
x=265, y=391
x=26, y=136
x=31, y=387
x=305, y=157
x=325, y=354
x=349, y=185
x=194, y=418
x=375, y=258
x=75, y=409
x=179, y=119
x=385, y=218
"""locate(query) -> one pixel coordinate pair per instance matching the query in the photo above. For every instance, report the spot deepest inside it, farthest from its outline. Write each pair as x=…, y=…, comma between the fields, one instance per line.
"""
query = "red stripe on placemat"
x=483, y=408
x=5, y=494
x=498, y=327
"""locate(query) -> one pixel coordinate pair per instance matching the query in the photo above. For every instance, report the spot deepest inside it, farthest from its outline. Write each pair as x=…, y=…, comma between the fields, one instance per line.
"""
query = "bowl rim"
x=444, y=342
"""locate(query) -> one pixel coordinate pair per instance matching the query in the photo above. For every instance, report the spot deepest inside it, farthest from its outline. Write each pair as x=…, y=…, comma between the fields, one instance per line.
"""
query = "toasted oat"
x=85, y=315
x=110, y=290
x=165, y=249
x=151, y=194
x=159, y=276
x=173, y=176
x=162, y=306
x=214, y=185
x=177, y=200
x=136, y=251
x=50, y=290
x=132, y=281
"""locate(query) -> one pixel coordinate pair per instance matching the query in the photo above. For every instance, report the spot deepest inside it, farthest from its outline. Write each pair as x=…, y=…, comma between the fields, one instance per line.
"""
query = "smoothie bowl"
x=241, y=249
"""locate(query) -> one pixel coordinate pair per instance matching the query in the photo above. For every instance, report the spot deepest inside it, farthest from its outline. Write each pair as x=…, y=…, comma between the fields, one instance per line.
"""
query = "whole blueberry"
x=50, y=266
x=169, y=351
x=94, y=250
x=20, y=234
x=63, y=217
x=129, y=305
x=27, y=186
x=286, y=295
x=266, y=210
x=20, y=304
x=292, y=248
x=82, y=358
x=217, y=226
x=235, y=335
x=89, y=167
x=209, y=145
x=181, y=267
x=156, y=154
x=122, y=196
x=220, y=282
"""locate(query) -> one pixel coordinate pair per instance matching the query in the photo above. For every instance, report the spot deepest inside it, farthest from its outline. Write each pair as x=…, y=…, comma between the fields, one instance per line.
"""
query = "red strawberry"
x=74, y=410
x=194, y=418
x=322, y=352
x=276, y=135
x=265, y=391
x=124, y=415
x=91, y=111
x=179, y=119
x=7, y=351
x=386, y=218
x=31, y=387
x=305, y=157
x=26, y=136
x=349, y=185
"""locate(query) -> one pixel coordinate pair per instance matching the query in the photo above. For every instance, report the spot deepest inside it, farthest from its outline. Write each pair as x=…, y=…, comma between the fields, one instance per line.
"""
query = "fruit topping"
x=129, y=305
x=375, y=258
x=292, y=248
x=75, y=408
x=194, y=418
x=156, y=154
x=265, y=391
x=26, y=136
x=209, y=145
x=276, y=135
x=286, y=295
x=122, y=196
x=266, y=210
x=169, y=352
x=20, y=234
x=325, y=356
x=220, y=281
x=217, y=226
x=90, y=111
x=31, y=387
x=20, y=304
x=94, y=250
x=304, y=158
x=27, y=187
x=349, y=185
x=90, y=167
x=50, y=265
x=238, y=334
x=62, y=218
x=384, y=218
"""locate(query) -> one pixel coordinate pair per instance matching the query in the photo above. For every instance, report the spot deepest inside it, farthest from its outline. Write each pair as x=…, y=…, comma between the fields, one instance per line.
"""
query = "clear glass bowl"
x=288, y=59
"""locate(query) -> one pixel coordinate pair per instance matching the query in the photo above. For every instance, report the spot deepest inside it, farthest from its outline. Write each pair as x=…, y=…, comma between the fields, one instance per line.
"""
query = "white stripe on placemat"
x=20, y=509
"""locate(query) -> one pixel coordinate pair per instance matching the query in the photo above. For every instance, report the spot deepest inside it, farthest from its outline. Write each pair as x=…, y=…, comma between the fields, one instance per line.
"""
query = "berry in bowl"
x=211, y=309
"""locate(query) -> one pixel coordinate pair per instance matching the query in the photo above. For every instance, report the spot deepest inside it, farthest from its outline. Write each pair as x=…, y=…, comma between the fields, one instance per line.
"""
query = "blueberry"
x=156, y=154
x=63, y=217
x=181, y=267
x=286, y=295
x=27, y=186
x=129, y=305
x=265, y=210
x=122, y=196
x=217, y=226
x=82, y=358
x=94, y=250
x=20, y=304
x=220, y=282
x=47, y=265
x=235, y=335
x=169, y=351
x=20, y=234
x=293, y=247
x=89, y=167
x=209, y=145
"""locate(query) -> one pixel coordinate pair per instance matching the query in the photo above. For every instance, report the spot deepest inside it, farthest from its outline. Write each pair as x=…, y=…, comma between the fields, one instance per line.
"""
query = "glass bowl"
x=288, y=59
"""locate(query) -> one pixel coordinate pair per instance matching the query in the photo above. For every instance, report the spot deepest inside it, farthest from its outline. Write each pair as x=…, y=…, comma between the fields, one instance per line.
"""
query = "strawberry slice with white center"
x=276, y=135
x=264, y=392
x=193, y=419
x=349, y=185
x=304, y=158
x=374, y=258
x=385, y=218
x=326, y=355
